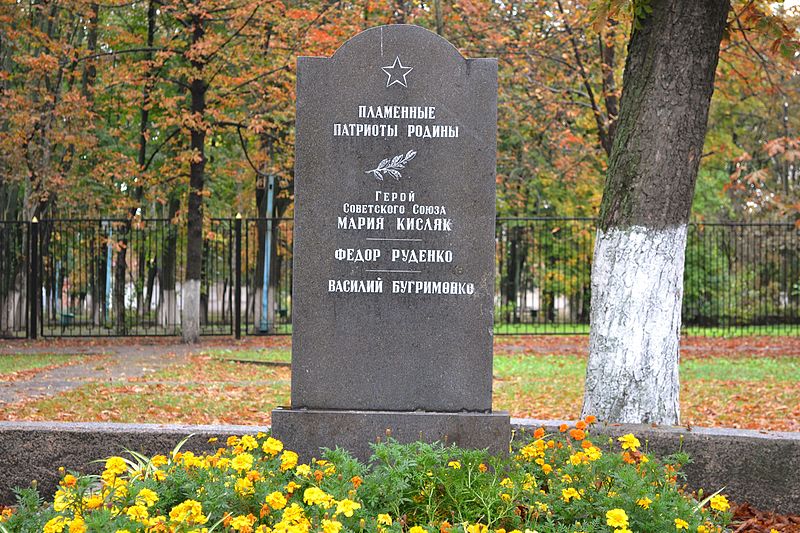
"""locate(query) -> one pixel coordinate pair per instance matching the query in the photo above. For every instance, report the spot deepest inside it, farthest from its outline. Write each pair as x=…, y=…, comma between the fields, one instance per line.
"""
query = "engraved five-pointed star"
x=397, y=73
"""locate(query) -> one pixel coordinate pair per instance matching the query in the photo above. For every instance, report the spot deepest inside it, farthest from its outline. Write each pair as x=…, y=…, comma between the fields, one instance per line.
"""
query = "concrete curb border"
x=759, y=467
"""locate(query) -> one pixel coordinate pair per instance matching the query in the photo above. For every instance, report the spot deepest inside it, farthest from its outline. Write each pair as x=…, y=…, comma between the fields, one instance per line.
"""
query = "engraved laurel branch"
x=393, y=166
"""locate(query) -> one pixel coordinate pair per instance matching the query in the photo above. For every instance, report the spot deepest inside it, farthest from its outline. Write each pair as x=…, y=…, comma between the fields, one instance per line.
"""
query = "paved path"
x=122, y=362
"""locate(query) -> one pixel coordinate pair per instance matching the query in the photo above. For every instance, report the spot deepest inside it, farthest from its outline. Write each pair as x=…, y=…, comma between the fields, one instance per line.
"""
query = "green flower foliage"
x=546, y=484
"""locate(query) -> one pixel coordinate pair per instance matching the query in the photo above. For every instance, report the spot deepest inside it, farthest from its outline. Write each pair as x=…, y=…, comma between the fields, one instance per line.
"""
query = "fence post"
x=237, y=265
x=35, y=291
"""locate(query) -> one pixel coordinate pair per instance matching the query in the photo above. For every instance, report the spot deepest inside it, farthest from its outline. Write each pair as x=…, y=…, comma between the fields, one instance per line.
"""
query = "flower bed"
x=550, y=483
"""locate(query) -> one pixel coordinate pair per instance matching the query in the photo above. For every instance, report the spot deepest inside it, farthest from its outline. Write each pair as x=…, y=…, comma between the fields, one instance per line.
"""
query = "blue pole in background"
x=264, y=322
x=108, y=274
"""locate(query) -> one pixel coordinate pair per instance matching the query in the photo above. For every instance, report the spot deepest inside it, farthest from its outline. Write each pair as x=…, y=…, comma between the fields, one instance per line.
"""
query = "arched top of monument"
x=384, y=36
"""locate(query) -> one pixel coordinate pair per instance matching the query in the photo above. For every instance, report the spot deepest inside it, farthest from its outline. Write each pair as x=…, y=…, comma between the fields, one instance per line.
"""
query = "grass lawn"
x=749, y=392
x=15, y=365
x=756, y=393
x=207, y=390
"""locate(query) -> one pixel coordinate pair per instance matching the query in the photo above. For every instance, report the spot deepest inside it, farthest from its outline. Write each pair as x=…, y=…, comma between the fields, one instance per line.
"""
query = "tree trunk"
x=637, y=273
x=120, y=269
x=168, y=302
x=190, y=316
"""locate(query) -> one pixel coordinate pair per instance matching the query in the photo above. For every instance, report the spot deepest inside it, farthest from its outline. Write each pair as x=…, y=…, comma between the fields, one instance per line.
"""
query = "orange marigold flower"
x=577, y=434
x=627, y=458
x=356, y=481
x=581, y=425
x=586, y=444
x=562, y=428
x=539, y=433
x=591, y=419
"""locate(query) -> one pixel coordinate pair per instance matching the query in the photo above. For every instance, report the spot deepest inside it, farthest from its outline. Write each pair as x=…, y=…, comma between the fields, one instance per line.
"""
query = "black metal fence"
x=113, y=277
x=739, y=278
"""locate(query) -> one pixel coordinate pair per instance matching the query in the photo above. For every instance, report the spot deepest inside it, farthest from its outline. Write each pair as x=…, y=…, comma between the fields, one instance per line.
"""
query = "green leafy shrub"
x=547, y=483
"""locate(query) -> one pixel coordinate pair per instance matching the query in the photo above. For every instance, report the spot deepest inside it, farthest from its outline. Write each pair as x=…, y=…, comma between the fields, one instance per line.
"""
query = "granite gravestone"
x=394, y=245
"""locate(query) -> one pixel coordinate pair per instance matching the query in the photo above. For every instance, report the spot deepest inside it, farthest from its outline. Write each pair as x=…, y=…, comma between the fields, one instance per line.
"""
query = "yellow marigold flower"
x=190, y=460
x=546, y=468
x=55, y=525
x=146, y=497
x=243, y=461
x=528, y=482
x=303, y=470
x=593, y=453
x=288, y=460
x=94, y=501
x=629, y=442
x=159, y=475
x=570, y=494
x=244, y=487
x=138, y=513
x=293, y=513
x=272, y=446
x=455, y=465
x=291, y=487
x=263, y=529
x=317, y=496
x=644, y=502
x=233, y=440
x=158, y=460
x=720, y=503
x=243, y=523
x=543, y=507
x=384, y=520
x=346, y=507
x=578, y=458
x=681, y=524
x=617, y=518
x=477, y=528
x=276, y=500
x=505, y=497
x=122, y=531
x=190, y=512
x=703, y=529
x=248, y=443
x=331, y=526
x=507, y=483
x=116, y=466
x=417, y=529
x=531, y=451
x=77, y=525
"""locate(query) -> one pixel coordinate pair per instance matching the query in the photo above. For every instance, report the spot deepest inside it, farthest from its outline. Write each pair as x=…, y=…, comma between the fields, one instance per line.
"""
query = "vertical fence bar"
x=36, y=291
x=237, y=265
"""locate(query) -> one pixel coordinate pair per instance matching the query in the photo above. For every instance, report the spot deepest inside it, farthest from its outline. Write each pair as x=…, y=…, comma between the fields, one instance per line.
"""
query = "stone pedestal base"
x=306, y=431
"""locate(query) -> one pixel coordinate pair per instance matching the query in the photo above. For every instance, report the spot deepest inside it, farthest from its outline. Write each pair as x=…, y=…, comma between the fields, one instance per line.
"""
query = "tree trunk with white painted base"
x=637, y=272
x=198, y=88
